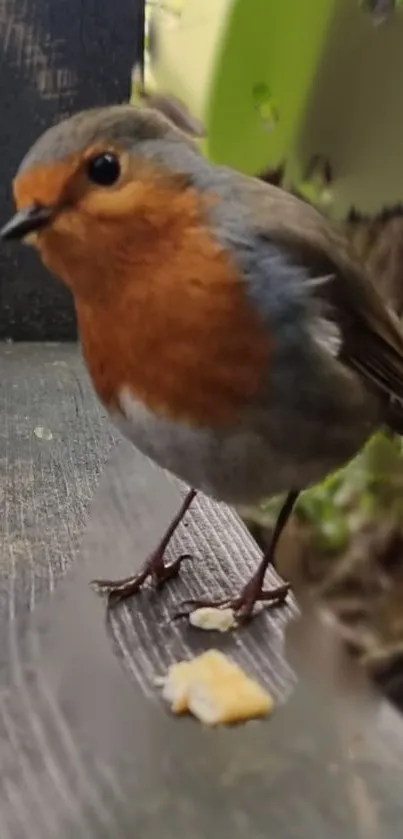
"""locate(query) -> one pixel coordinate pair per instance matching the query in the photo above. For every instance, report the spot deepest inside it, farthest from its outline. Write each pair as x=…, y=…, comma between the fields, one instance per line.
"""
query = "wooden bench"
x=86, y=746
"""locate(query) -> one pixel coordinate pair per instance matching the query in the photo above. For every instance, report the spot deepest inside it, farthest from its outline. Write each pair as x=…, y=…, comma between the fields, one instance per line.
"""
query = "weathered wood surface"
x=87, y=749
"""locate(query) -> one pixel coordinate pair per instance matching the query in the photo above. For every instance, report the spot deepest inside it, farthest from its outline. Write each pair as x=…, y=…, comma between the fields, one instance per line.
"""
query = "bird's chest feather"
x=177, y=332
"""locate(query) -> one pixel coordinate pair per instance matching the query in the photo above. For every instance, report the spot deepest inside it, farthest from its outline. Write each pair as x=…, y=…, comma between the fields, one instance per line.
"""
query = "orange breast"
x=164, y=312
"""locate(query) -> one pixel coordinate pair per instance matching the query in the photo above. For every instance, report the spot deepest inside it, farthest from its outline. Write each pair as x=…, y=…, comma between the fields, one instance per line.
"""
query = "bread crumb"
x=210, y=618
x=176, y=686
x=215, y=690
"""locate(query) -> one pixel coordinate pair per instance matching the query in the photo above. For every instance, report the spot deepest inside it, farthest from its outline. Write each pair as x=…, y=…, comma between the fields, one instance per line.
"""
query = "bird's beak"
x=26, y=221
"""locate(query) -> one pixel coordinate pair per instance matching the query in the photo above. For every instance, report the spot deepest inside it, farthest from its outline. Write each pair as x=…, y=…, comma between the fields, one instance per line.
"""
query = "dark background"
x=57, y=56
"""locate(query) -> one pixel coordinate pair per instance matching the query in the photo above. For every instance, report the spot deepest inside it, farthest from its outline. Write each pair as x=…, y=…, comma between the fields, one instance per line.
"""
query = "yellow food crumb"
x=215, y=690
x=208, y=617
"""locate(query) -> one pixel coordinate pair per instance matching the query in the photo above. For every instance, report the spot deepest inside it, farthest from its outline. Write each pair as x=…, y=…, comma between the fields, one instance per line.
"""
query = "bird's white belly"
x=237, y=467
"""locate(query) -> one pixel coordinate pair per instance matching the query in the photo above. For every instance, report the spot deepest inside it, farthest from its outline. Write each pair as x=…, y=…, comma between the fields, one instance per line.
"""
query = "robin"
x=228, y=329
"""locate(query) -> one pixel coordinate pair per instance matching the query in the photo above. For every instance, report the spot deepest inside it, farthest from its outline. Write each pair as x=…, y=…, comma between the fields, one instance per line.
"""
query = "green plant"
x=369, y=488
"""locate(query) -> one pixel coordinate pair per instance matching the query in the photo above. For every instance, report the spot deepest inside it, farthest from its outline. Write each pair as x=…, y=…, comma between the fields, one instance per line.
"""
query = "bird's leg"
x=154, y=567
x=253, y=592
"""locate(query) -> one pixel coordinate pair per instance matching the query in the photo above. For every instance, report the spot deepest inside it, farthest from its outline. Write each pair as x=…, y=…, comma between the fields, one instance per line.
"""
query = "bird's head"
x=96, y=185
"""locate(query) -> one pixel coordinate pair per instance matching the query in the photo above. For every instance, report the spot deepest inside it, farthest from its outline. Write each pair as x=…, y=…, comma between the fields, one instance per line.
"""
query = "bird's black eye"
x=104, y=169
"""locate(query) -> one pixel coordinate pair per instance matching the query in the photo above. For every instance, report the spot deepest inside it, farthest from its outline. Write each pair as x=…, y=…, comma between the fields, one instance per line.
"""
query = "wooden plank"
x=87, y=749
x=54, y=440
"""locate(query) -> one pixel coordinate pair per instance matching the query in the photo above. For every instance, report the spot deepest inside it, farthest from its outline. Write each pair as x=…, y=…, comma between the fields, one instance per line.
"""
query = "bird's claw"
x=154, y=570
x=169, y=571
x=242, y=605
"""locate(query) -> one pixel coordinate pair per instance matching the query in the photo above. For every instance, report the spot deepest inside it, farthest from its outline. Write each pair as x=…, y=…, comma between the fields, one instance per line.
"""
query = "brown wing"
x=372, y=336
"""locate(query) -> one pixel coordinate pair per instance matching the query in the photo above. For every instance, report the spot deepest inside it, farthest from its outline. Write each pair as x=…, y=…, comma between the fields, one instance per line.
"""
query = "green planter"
x=262, y=79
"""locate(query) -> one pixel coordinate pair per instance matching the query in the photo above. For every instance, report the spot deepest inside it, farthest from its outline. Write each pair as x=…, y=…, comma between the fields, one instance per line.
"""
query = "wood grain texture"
x=86, y=746
x=54, y=439
x=55, y=58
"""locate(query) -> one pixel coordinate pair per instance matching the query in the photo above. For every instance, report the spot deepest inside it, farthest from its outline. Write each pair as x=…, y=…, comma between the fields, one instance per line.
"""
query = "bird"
x=378, y=239
x=228, y=327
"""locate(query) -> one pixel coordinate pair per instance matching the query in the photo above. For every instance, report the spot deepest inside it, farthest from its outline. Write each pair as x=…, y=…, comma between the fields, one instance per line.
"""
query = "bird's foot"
x=243, y=604
x=154, y=569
